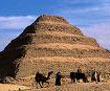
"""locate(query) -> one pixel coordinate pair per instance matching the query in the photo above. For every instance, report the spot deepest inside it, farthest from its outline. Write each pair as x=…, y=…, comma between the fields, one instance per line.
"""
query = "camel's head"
x=51, y=72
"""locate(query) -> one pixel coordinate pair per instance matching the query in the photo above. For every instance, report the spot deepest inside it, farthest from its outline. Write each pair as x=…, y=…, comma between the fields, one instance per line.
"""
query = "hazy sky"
x=91, y=16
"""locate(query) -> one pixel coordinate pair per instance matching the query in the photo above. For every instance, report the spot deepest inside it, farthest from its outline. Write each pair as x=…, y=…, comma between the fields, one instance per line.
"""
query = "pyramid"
x=52, y=43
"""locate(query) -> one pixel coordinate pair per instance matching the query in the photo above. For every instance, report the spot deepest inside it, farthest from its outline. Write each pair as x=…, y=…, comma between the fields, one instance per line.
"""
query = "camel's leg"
x=93, y=79
x=74, y=80
x=37, y=85
x=48, y=84
x=40, y=85
x=43, y=83
x=85, y=80
x=71, y=80
x=78, y=80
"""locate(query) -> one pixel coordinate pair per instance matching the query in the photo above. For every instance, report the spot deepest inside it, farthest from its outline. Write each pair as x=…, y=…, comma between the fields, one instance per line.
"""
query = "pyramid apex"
x=51, y=18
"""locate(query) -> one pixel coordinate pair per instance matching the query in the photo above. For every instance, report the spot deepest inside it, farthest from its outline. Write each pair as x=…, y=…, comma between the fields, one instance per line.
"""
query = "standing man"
x=58, y=79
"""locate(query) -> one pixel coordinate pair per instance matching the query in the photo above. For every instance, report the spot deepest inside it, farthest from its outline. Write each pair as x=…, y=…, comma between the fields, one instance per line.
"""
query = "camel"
x=78, y=75
x=40, y=78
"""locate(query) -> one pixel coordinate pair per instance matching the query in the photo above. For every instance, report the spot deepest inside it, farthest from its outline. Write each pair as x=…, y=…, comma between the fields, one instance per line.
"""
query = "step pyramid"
x=52, y=43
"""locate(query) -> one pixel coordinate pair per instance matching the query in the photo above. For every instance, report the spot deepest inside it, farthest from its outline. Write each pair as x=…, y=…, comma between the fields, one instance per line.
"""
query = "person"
x=79, y=70
x=58, y=79
x=95, y=76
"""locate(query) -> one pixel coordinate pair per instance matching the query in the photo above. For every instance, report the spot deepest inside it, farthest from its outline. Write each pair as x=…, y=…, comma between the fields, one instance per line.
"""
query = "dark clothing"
x=58, y=79
x=95, y=76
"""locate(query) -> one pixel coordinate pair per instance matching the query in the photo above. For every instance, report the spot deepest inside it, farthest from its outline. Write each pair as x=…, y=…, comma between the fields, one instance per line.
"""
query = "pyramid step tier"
x=67, y=50
x=54, y=33
x=65, y=46
x=72, y=59
x=75, y=52
x=51, y=37
x=34, y=28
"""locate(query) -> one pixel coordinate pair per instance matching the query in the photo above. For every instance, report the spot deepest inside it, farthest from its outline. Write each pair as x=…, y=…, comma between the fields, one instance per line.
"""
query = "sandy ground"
x=79, y=87
x=102, y=86
x=11, y=87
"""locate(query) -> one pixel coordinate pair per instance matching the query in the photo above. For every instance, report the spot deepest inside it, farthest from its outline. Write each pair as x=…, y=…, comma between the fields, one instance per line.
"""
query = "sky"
x=91, y=16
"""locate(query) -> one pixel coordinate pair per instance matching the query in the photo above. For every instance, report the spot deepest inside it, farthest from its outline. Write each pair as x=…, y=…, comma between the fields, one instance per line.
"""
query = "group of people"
x=74, y=76
x=79, y=75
